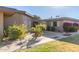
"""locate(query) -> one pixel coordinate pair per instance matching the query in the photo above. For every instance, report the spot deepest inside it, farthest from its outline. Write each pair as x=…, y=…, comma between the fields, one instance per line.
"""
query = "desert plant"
x=17, y=31
x=42, y=26
x=38, y=29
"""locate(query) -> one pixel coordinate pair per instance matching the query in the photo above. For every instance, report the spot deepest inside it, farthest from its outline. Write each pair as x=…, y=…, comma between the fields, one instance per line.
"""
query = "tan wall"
x=1, y=24
x=59, y=23
x=51, y=23
x=18, y=19
x=27, y=21
x=14, y=19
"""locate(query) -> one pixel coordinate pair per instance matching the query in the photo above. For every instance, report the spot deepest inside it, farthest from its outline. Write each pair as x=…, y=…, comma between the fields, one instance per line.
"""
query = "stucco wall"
x=27, y=21
x=51, y=23
x=13, y=19
x=17, y=19
x=59, y=23
x=1, y=24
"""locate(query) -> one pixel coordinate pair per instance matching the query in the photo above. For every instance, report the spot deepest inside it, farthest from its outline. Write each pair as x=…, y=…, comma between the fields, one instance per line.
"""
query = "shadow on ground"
x=29, y=43
x=5, y=43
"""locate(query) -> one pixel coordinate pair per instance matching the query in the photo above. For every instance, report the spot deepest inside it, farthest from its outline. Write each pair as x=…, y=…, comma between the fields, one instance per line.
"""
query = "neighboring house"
x=9, y=16
x=59, y=21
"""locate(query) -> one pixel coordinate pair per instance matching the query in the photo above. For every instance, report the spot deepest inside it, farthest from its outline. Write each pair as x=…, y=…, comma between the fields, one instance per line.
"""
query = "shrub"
x=48, y=28
x=42, y=26
x=38, y=30
x=73, y=29
x=17, y=32
x=66, y=28
x=53, y=28
x=70, y=28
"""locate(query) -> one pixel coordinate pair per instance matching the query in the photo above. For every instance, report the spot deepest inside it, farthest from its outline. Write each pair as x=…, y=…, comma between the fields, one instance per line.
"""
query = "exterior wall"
x=27, y=21
x=60, y=24
x=1, y=24
x=51, y=23
x=14, y=19
x=17, y=19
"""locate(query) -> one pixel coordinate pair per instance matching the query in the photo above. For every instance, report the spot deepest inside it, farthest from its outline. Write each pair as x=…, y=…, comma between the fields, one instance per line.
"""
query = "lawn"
x=64, y=45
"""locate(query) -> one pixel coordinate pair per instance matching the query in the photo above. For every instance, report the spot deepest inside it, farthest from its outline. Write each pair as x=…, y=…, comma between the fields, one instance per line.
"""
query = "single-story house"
x=59, y=21
x=9, y=16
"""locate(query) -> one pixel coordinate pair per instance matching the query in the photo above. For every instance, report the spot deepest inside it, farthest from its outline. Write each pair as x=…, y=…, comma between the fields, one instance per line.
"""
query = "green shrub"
x=48, y=28
x=53, y=28
x=70, y=28
x=42, y=26
x=17, y=31
x=73, y=29
x=66, y=28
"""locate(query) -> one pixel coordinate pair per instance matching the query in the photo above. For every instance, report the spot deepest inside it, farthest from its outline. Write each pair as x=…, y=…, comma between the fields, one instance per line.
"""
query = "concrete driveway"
x=57, y=35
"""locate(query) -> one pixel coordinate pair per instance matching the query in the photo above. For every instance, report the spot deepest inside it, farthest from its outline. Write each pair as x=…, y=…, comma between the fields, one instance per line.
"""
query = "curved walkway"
x=48, y=36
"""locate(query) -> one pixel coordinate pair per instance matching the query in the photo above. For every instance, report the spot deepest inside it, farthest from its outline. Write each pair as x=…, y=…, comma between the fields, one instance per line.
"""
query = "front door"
x=55, y=23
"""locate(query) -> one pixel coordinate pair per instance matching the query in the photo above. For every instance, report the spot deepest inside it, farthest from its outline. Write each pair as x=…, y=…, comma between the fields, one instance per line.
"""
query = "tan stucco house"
x=9, y=16
x=59, y=21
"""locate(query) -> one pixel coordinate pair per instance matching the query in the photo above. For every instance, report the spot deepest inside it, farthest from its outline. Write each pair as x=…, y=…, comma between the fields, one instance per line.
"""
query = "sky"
x=47, y=11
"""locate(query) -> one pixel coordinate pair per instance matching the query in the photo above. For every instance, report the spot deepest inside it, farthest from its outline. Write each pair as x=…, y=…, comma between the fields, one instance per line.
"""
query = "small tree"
x=38, y=29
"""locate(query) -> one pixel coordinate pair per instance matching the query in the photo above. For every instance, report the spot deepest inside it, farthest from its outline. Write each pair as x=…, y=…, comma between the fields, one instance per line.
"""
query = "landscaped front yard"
x=65, y=45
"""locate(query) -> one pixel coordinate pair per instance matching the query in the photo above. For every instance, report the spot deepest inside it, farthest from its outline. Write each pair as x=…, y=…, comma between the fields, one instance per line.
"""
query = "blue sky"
x=48, y=11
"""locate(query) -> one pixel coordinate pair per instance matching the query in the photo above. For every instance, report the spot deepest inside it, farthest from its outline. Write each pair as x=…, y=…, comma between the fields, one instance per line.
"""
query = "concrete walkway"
x=15, y=45
x=48, y=36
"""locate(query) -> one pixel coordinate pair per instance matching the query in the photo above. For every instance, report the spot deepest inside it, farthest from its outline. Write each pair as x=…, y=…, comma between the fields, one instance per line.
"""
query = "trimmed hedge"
x=70, y=28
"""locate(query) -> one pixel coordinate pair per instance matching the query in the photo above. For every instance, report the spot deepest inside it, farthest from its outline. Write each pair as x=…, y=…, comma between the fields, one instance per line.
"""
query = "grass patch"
x=63, y=45
x=73, y=39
